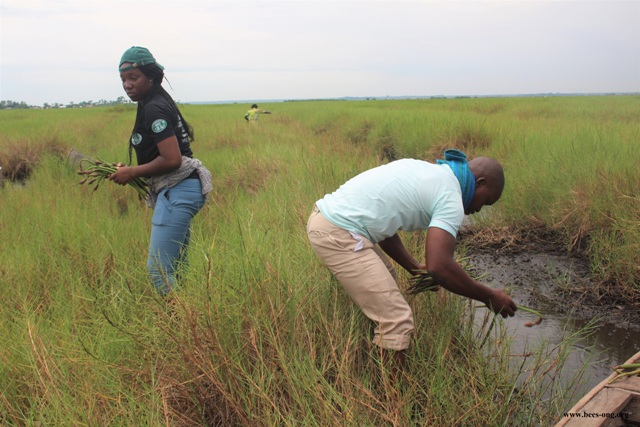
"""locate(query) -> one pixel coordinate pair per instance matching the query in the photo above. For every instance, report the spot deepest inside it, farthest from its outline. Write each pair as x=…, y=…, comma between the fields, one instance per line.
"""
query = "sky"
x=224, y=50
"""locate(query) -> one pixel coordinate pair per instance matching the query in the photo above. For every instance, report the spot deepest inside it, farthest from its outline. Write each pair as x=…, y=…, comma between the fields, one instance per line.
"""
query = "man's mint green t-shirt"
x=406, y=194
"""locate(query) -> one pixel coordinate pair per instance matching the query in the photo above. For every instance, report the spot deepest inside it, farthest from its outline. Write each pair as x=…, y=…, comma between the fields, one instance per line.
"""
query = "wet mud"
x=558, y=284
x=549, y=279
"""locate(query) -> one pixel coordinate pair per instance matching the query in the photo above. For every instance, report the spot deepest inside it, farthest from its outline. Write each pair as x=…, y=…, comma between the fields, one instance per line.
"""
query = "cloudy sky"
x=219, y=50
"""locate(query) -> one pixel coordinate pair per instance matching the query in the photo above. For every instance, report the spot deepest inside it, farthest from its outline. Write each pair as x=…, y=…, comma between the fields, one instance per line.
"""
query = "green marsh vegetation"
x=260, y=334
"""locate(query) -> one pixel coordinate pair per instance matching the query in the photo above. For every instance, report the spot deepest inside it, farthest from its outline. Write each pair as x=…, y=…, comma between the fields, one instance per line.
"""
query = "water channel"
x=539, y=280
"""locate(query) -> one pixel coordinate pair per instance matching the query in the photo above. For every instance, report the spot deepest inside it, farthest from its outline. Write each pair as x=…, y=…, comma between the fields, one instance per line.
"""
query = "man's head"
x=489, y=183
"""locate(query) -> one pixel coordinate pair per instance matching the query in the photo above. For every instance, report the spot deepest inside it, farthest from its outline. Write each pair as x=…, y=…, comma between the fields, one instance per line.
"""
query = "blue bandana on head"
x=457, y=160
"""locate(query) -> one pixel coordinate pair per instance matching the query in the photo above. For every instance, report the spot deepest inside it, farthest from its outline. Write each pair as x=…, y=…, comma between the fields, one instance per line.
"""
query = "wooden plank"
x=610, y=400
x=633, y=408
x=582, y=402
x=607, y=400
x=626, y=383
x=614, y=422
x=564, y=421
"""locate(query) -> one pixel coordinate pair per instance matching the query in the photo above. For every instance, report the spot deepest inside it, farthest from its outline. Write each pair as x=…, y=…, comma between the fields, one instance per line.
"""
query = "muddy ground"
x=542, y=275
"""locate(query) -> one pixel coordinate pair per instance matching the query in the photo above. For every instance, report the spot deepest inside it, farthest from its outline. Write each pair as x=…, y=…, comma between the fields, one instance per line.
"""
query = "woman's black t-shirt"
x=160, y=121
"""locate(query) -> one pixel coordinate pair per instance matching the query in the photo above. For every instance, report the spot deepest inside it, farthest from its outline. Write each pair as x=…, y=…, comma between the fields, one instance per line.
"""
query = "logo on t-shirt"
x=136, y=138
x=159, y=125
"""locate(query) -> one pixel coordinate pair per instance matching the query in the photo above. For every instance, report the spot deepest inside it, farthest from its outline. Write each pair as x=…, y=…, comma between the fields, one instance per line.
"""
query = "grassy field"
x=260, y=334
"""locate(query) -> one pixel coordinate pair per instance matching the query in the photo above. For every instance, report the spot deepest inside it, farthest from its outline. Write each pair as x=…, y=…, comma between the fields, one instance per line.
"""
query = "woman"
x=178, y=183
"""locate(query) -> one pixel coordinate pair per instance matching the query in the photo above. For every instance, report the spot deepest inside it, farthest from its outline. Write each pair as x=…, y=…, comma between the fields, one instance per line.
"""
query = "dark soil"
x=540, y=273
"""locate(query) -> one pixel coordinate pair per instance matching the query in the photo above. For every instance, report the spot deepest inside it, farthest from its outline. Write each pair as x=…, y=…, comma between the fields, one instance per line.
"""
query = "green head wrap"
x=137, y=56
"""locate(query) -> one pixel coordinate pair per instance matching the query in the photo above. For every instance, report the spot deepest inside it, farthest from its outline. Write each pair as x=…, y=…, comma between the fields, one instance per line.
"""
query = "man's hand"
x=421, y=267
x=501, y=303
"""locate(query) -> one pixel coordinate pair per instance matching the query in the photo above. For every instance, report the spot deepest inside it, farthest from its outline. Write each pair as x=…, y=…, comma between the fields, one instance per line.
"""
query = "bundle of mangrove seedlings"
x=423, y=281
x=95, y=171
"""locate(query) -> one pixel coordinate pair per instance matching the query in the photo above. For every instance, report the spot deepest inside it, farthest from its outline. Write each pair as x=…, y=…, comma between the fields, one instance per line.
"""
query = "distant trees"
x=12, y=105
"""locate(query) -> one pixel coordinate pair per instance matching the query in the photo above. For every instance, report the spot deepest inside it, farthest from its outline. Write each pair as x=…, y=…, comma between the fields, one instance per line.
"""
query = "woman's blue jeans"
x=171, y=231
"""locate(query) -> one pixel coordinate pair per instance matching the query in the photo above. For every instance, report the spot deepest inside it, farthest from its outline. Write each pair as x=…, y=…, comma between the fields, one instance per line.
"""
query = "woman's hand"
x=123, y=175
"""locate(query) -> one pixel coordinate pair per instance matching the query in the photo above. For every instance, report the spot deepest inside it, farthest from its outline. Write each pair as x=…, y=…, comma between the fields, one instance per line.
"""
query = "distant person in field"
x=253, y=114
x=353, y=228
x=178, y=182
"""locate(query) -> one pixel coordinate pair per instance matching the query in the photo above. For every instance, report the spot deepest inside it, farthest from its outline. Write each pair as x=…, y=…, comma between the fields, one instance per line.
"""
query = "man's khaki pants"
x=368, y=278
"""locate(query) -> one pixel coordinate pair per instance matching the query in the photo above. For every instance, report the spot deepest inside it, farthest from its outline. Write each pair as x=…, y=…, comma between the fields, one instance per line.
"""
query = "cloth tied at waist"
x=168, y=180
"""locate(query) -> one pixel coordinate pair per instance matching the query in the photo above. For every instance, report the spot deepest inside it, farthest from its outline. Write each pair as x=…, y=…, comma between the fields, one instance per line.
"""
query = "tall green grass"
x=259, y=333
x=570, y=163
